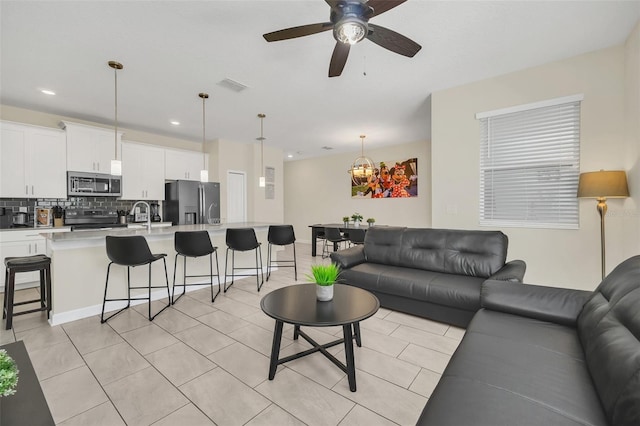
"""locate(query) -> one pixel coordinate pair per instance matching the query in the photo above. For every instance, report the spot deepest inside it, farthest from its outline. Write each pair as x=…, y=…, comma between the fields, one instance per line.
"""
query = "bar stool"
x=242, y=239
x=38, y=262
x=194, y=244
x=131, y=252
x=331, y=235
x=281, y=235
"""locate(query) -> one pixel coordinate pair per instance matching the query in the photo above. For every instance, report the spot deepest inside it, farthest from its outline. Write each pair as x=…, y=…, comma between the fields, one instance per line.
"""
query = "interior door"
x=236, y=196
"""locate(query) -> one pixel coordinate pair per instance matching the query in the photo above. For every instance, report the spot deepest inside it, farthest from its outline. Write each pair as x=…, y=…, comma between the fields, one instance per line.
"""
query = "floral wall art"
x=389, y=179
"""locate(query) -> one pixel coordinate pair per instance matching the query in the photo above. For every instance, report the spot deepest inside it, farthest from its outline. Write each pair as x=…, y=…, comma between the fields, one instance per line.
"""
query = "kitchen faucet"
x=133, y=209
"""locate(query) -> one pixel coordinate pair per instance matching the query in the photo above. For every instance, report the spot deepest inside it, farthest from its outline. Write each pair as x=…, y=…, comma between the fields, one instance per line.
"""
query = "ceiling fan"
x=349, y=20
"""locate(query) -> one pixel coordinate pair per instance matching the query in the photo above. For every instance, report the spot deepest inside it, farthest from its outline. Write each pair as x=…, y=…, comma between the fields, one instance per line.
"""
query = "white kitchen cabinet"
x=21, y=243
x=32, y=162
x=142, y=172
x=90, y=149
x=183, y=165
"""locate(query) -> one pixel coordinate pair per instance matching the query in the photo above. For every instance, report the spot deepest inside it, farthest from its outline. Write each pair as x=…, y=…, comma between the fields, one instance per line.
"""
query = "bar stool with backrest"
x=334, y=236
x=194, y=244
x=132, y=251
x=242, y=239
x=281, y=235
x=15, y=265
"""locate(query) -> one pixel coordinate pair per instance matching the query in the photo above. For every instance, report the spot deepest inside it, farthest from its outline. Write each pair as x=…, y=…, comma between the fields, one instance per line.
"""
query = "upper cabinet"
x=142, y=172
x=90, y=149
x=32, y=162
x=183, y=165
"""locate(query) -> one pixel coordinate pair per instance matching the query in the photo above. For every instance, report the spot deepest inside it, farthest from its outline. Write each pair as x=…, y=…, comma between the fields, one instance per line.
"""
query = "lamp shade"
x=603, y=184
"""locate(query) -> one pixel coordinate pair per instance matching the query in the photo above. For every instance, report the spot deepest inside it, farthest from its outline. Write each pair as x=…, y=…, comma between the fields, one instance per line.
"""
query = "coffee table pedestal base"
x=348, y=337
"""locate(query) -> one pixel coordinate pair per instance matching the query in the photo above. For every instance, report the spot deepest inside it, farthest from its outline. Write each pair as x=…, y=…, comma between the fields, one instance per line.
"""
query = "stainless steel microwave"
x=97, y=184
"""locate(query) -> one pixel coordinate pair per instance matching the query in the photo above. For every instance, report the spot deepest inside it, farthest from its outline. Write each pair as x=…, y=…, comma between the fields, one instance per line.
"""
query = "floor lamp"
x=602, y=185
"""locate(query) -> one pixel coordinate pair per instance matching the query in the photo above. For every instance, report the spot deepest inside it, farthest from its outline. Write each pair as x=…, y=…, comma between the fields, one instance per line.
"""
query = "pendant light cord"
x=204, y=97
x=203, y=123
x=115, y=135
x=261, y=139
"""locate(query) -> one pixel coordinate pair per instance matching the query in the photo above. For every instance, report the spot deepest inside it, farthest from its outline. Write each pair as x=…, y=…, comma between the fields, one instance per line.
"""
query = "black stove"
x=80, y=219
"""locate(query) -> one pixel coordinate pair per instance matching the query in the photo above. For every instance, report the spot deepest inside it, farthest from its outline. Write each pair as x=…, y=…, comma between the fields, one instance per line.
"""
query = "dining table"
x=317, y=230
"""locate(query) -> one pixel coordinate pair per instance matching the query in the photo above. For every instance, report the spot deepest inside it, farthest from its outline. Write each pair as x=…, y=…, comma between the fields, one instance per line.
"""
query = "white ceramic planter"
x=324, y=293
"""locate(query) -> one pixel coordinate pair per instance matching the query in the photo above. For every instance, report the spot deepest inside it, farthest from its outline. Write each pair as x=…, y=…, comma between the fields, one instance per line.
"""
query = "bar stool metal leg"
x=185, y=276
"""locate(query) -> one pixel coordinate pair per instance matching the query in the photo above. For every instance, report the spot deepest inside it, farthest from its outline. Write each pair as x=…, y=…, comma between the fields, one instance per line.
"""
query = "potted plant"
x=357, y=218
x=325, y=276
x=8, y=374
x=345, y=220
x=371, y=221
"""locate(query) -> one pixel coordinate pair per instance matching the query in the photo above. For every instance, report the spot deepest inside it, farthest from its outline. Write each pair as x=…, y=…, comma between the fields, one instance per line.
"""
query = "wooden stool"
x=38, y=262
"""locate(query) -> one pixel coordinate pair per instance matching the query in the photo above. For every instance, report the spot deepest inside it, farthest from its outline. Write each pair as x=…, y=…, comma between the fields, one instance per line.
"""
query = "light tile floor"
x=203, y=363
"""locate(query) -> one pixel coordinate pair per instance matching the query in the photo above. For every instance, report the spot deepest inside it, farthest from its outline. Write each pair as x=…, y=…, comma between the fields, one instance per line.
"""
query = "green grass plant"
x=324, y=275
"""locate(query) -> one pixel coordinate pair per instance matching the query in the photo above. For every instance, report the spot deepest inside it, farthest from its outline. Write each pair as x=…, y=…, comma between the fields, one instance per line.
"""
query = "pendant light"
x=116, y=165
x=261, y=182
x=204, y=173
x=362, y=166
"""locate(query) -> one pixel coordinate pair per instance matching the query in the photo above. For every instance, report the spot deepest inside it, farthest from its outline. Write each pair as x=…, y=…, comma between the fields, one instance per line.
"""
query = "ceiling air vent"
x=232, y=85
x=327, y=148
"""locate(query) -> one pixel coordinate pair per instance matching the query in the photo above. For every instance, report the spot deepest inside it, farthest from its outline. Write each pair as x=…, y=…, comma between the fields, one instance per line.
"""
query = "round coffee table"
x=297, y=305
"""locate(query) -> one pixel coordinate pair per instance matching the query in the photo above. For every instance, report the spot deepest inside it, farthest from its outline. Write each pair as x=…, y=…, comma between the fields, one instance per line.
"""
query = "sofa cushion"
x=444, y=289
x=463, y=252
x=383, y=245
x=609, y=327
x=529, y=371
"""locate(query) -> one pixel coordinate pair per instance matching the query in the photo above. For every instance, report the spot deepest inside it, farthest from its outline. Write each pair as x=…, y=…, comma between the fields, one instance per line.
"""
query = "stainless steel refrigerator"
x=188, y=202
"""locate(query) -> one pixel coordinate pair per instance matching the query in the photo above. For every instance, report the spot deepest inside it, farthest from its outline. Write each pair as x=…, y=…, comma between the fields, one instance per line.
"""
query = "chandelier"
x=362, y=166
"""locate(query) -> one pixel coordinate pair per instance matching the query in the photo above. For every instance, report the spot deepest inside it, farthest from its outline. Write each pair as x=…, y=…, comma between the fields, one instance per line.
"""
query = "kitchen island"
x=79, y=266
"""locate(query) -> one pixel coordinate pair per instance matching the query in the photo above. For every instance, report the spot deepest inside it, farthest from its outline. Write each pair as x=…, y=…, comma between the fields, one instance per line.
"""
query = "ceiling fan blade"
x=381, y=6
x=333, y=3
x=393, y=41
x=301, y=31
x=338, y=59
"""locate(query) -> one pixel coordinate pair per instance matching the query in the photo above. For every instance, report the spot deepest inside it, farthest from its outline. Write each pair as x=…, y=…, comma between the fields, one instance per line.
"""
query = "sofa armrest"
x=348, y=258
x=558, y=305
x=511, y=271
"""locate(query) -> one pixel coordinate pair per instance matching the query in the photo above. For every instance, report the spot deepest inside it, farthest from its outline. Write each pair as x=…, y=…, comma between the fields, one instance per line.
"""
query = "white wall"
x=225, y=155
x=630, y=213
x=569, y=258
x=318, y=190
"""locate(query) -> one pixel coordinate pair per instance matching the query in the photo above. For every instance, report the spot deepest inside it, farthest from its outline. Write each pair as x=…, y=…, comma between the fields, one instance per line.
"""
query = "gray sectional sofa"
x=433, y=273
x=538, y=355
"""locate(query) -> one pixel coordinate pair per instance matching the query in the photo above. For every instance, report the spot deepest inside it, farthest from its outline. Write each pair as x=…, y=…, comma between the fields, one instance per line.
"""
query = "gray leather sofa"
x=432, y=273
x=538, y=355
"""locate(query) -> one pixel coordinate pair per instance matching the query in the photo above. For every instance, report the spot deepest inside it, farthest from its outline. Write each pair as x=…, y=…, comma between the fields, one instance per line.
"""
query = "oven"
x=92, y=219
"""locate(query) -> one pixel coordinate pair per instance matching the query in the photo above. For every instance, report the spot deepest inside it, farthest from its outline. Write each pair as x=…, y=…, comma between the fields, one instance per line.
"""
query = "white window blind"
x=529, y=166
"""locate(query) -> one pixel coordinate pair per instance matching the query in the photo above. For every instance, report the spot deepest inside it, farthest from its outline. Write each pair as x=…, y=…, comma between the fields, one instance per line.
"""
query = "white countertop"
x=156, y=232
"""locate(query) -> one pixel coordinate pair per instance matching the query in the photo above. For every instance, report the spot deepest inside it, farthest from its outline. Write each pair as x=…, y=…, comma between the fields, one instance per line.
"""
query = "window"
x=529, y=165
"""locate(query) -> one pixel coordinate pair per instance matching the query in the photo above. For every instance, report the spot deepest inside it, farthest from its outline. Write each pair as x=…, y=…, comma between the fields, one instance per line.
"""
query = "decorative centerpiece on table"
x=345, y=220
x=357, y=218
x=325, y=276
x=371, y=221
x=8, y=374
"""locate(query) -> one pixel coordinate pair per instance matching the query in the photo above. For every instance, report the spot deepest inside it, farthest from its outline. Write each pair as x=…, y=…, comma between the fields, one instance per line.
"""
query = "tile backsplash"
x=66, y=203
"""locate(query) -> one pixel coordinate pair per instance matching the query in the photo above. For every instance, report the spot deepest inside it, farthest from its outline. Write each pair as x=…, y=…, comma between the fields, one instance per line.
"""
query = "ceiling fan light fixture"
x=350, y=30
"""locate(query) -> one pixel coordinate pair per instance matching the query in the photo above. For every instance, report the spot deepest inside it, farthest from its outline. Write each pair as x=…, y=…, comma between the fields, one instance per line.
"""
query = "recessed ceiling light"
x=175, y=123
x=290, y=156
x=48, y=92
